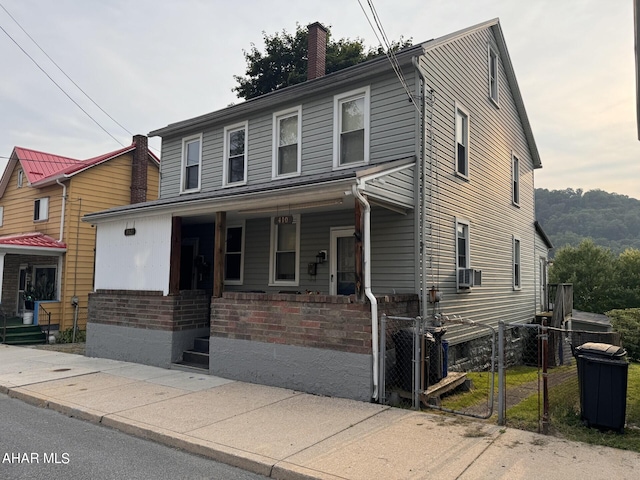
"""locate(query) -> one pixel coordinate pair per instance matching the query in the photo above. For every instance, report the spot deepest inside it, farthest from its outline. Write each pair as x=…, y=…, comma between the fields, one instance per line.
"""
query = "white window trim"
x=183, y=168
x=20, y=178
x=46, y=209
x=272, y=256
x=337, y=100
x=460, y=221
x=492, y=55
x=58, y=277
x=276, y=135
x=517, y=278
x=465, y=112
x=515, y=179
x=225, y=166
x=242, y=251
x=1, y=216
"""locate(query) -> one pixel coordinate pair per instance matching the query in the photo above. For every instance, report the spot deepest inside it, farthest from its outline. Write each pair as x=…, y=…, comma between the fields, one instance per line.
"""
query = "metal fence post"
x=382, y=353
x=416, y=363
x=502, y=394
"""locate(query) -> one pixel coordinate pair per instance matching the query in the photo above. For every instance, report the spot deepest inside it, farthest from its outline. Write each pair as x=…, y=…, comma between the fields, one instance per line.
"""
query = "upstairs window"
x=1, y=216
x=493, y=75
x=351, y=128
x=20, y=178
x=191, y=163
x=41, y=209
x=462, y=142
x=233, y=259
x=235, y=154
x=515, y=180
x=286, y=143
x=516, y=264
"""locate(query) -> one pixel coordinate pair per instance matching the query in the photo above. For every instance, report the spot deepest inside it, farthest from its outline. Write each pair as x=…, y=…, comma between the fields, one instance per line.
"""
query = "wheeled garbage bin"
x=602, y=380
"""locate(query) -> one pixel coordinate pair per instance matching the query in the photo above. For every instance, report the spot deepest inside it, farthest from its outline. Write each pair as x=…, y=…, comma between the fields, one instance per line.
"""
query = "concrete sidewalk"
x=291, y=435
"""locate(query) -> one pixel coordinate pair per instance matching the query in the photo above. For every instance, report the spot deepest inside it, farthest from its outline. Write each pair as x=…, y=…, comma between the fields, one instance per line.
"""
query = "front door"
x=188, y=253
x=22, y=286
x=343, y=266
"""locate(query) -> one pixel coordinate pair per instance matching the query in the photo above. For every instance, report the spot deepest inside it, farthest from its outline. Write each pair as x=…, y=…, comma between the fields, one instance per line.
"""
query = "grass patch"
x=564, y=406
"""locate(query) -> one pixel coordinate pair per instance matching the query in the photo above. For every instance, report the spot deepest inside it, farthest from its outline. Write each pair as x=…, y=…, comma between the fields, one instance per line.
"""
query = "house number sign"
x=283, y=220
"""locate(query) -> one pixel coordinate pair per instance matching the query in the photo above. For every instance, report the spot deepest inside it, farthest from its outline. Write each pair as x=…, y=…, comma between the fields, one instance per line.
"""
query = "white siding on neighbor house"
x=541, y=252
x=457, y=72
x=392, y=136
x=136, y=262
x=392, y=255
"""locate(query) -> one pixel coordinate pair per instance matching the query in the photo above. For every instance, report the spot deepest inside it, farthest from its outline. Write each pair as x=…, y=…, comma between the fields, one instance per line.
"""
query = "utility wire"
x=63, y=72
x=61, y=89
x=386, y=47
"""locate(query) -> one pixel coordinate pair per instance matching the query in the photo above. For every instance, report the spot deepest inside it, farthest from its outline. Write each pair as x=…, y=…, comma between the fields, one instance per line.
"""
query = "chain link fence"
x=520, y=375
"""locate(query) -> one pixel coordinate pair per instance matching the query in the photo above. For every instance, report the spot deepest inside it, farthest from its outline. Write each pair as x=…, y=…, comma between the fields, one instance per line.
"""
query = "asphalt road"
x=38, y=443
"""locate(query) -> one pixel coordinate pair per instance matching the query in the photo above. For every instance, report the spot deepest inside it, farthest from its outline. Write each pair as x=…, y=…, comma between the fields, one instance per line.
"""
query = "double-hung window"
x=191, y=163
x=351, y=128
x=233, y=259
x=515, y=180
x=41, y=209
x=516, y=264
x=235, y=154
x=493, y=75
x=287, y=151
x=462, y=141
x=285, y=250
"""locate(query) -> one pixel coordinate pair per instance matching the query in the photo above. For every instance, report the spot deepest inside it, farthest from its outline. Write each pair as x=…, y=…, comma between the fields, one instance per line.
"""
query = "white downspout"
x=367, y=283
x=64, y=203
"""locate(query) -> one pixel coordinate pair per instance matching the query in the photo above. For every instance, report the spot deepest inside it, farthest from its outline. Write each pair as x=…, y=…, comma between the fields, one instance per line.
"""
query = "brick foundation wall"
x=150, y=309
x=319, y=321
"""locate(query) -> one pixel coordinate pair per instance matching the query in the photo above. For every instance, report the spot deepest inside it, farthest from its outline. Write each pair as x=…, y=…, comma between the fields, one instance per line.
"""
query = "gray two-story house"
x=287, y=224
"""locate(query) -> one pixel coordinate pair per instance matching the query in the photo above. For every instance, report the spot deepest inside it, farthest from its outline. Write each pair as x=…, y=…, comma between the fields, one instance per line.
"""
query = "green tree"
x=284, y=61
x=628, y=266
x=592, y=271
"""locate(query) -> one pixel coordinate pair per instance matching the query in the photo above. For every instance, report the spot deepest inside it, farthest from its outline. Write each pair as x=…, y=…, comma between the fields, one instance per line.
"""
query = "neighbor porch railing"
x=42, y=310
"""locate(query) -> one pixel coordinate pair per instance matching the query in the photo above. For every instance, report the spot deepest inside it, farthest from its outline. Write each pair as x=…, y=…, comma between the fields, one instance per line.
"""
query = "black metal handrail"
x=48, y=314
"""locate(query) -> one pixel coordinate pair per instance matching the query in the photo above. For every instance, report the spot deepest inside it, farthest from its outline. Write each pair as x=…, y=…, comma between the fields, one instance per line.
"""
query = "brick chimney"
x=316, y=51
x=139, y=169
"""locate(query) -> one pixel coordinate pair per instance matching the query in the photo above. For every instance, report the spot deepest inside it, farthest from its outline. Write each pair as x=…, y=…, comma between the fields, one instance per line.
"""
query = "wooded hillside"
x=570, y=216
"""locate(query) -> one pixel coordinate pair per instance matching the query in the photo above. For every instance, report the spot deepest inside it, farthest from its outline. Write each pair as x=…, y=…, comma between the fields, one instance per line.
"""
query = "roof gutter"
x=64, y=204
x=356, y=189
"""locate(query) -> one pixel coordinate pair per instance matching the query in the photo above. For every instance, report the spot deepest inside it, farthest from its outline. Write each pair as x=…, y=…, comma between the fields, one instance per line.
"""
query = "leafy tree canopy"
x=284, y=61
x=570, y=216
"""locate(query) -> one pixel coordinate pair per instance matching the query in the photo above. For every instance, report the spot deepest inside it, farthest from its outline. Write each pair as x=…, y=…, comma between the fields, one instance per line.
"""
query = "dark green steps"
x=19, y=334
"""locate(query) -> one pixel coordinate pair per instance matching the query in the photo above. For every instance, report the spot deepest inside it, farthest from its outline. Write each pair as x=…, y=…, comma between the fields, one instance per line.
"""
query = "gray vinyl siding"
x=392, y=256
x=397, y=187
x=541, y=251
x=392, y=136
x=457, y=72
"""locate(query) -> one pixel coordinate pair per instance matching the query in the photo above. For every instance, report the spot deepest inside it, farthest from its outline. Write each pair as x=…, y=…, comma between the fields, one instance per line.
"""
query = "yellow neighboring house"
x=46, y=252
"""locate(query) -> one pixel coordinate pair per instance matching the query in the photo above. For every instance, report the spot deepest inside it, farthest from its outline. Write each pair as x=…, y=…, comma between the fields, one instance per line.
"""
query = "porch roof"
x=304, y=190
x=31, y=243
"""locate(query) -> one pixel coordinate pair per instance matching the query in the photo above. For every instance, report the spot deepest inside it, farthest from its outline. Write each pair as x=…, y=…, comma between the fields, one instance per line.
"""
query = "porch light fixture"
x=299, y=206
x=321, y=257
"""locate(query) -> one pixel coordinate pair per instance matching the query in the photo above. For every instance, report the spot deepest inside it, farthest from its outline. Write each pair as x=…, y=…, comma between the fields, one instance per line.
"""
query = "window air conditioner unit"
x=468, y=277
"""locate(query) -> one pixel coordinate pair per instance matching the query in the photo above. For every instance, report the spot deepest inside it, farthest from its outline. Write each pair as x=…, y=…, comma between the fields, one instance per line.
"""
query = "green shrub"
x=627, y=323
x=66, y=336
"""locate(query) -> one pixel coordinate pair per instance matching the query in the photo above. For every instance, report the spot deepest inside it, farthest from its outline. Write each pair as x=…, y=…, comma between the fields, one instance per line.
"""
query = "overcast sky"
x=149, y=63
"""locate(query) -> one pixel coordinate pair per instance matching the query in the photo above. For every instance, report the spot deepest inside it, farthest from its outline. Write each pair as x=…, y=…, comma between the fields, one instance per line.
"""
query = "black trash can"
x=435, y=355
x=602, y=380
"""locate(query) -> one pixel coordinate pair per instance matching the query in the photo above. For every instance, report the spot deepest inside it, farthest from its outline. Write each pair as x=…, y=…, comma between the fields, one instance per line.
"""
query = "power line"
x=63, y=72
x=61, y=89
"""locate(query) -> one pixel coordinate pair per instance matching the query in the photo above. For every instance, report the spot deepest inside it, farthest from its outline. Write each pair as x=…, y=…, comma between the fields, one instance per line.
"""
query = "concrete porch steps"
x=19, y=334
x=196, y=359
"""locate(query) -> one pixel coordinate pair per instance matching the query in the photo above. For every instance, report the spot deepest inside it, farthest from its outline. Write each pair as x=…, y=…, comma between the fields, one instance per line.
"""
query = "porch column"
x=1, y=274
x=176, y=246
x=218, y=254
x=358, y=252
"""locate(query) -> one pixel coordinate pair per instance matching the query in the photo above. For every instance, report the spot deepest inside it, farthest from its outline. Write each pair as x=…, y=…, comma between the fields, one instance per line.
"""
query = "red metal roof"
x=35, y=240
x=40, y=165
